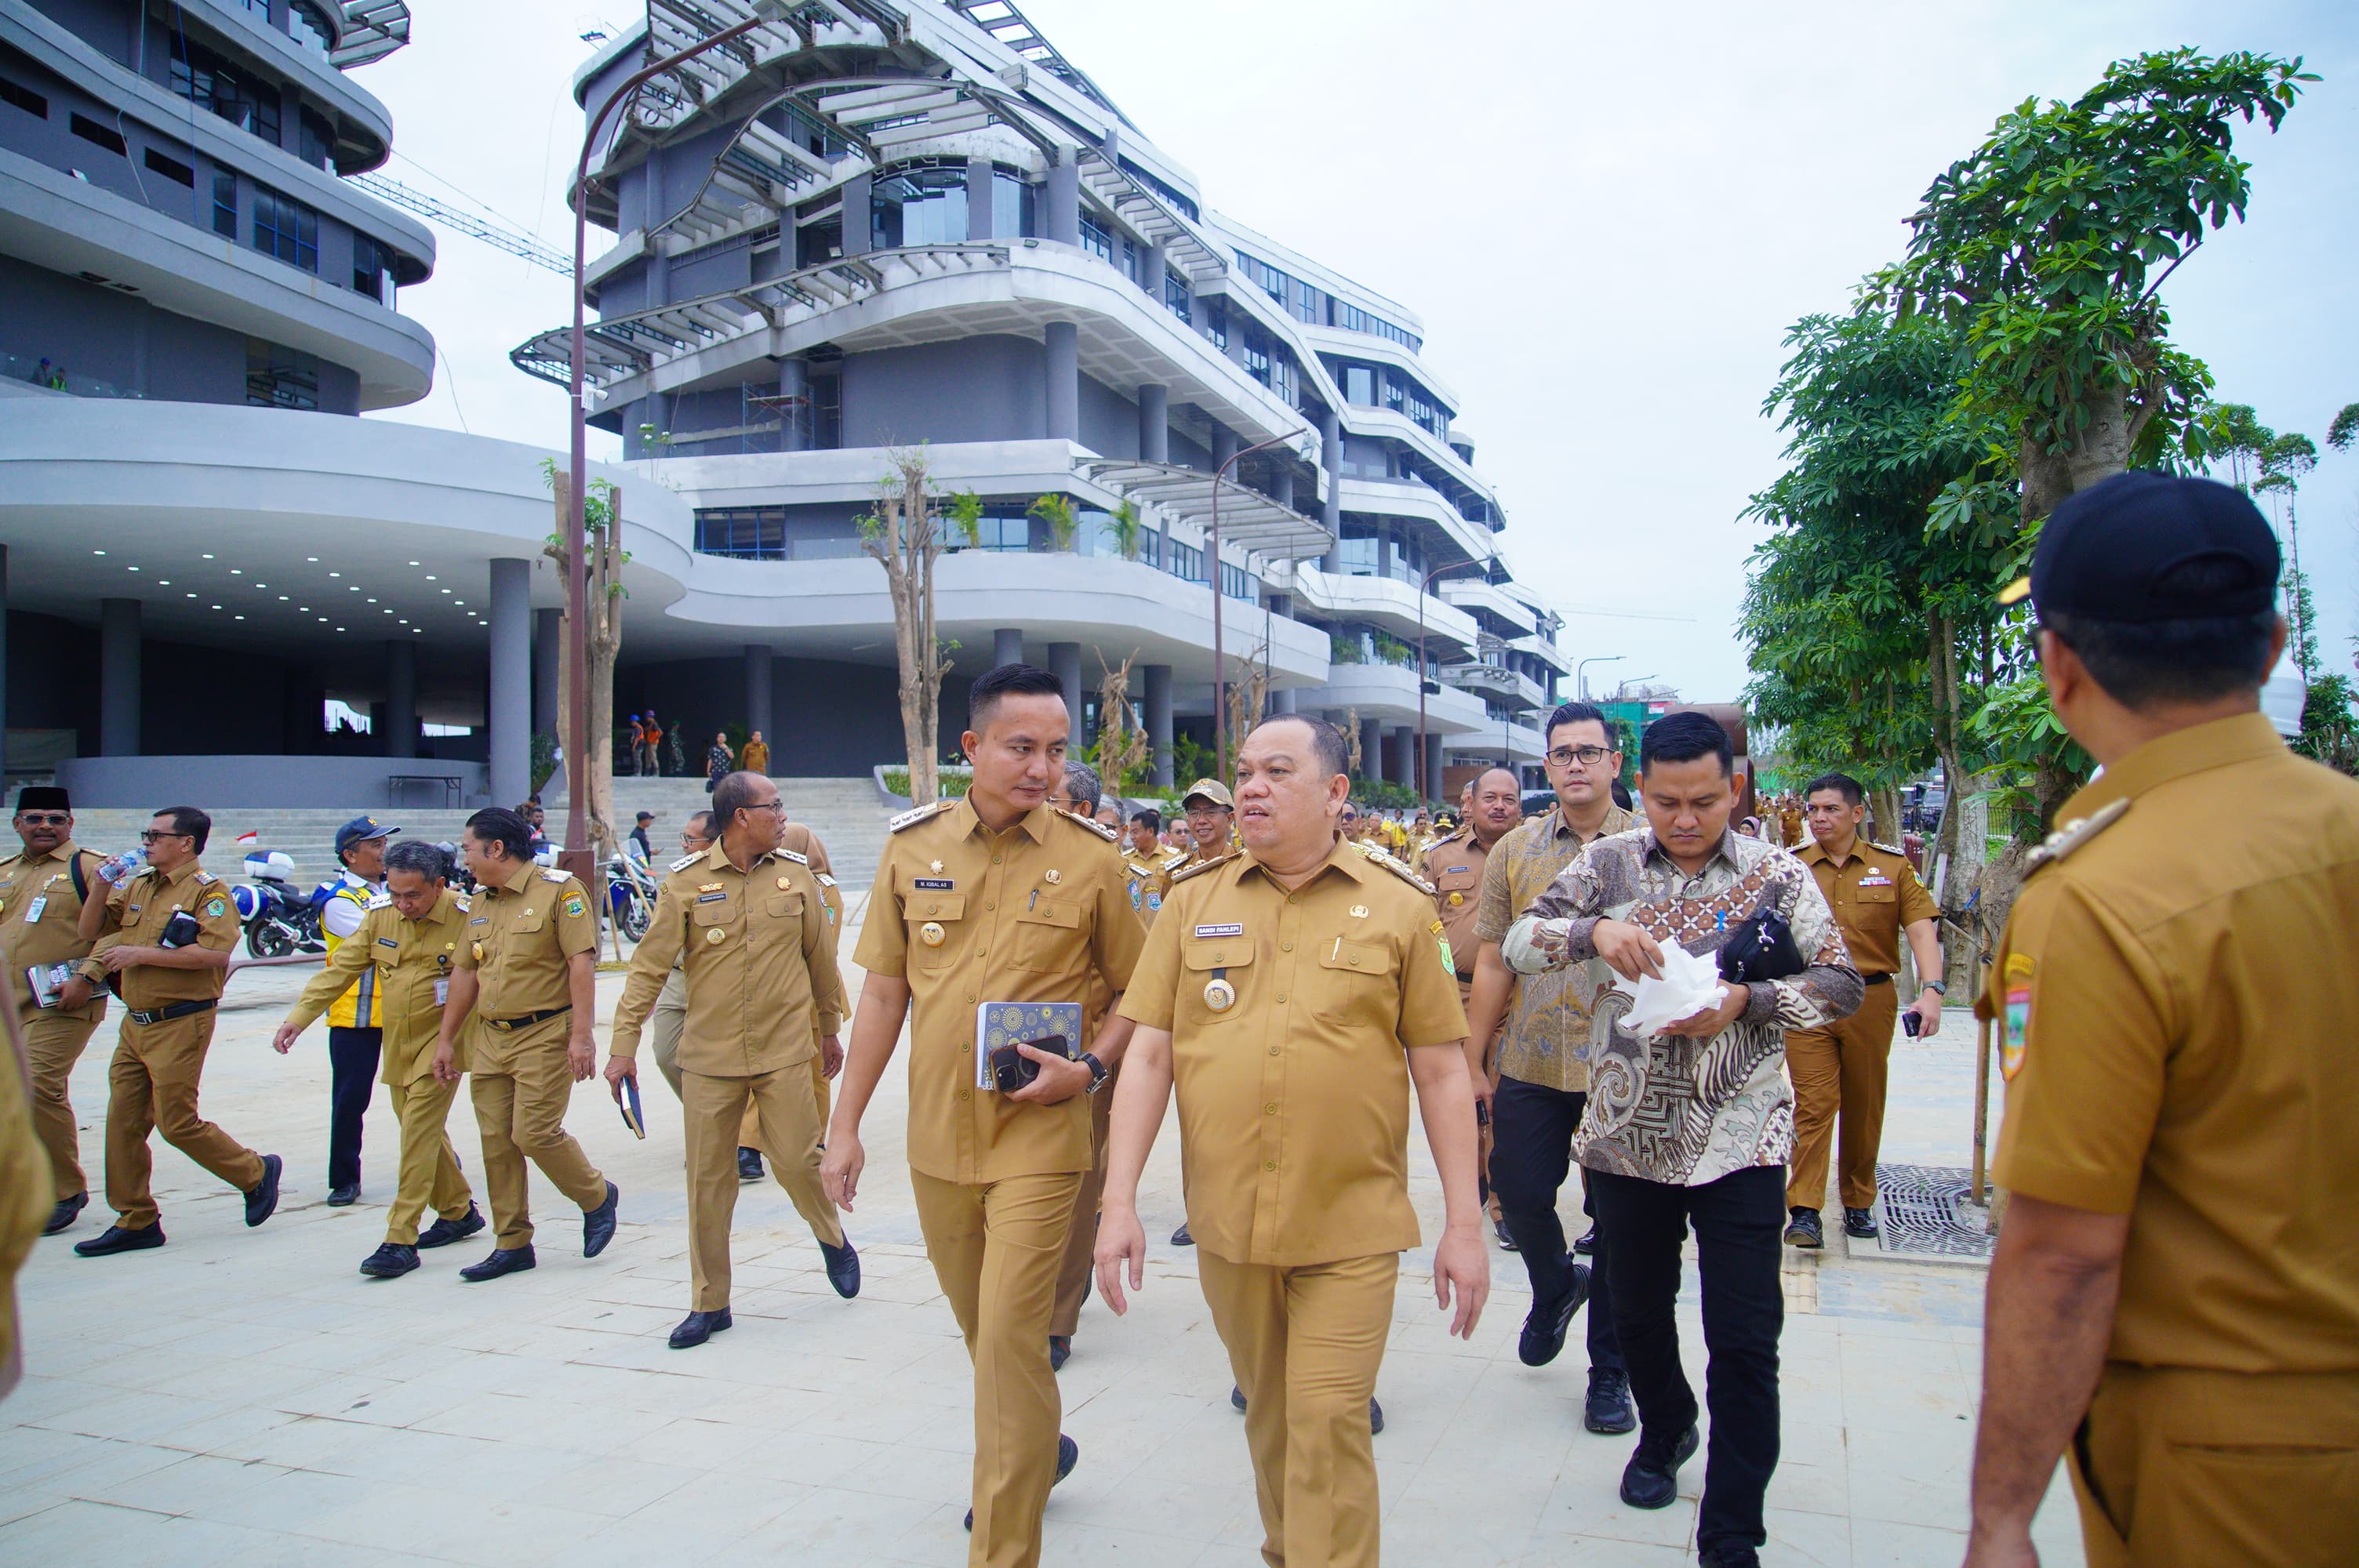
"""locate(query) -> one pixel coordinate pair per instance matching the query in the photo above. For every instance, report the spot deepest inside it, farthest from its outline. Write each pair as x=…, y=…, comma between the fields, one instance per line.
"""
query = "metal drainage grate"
x=1925, y=1209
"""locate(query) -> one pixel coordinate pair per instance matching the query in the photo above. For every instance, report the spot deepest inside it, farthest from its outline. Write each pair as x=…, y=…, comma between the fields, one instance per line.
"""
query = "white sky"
x=1606, y=216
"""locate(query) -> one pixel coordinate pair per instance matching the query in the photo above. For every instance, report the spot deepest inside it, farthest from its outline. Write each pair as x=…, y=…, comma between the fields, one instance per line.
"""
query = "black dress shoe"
x=1181, y=1237
x=842, y=1267
x=1859, y=1222
x=64, y=1213
x=1069, y=1454
x=389, y=1262
x=598, y=1224
x=1608, y=1409
x=115, y=1239
x=263, y=1200
x=1060, y=1348
x=1546, y=1325
x=749, y=1163
x=1731, y=1556
x=1506, y=1242
x=1375, y=1416
x=1585, y=1244
x=699, y=1326
x=1237, y=1399
x=1802, y=1230
x=345, y=1197
x=1652, y=1480
x=503, y=1260
x=443, y=1232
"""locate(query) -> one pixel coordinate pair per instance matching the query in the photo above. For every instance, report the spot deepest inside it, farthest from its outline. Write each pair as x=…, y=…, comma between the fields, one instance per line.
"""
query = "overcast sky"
x=1606, y=216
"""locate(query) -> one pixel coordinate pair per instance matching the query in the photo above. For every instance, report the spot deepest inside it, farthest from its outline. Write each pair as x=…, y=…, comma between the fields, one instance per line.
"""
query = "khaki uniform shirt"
x=1150, y=880
x=2176, y=989
x=1875, y=896
x=140, y=909
x=521, y=938
x=758, y=947
x=1294, y=1100
x=1544, y=1039
x=27, y=881
x=968, y=916
x=413, y=959
x=1454, y=866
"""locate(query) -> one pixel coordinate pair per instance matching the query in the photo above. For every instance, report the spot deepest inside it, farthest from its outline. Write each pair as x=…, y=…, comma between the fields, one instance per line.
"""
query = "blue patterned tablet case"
x=998, y=1024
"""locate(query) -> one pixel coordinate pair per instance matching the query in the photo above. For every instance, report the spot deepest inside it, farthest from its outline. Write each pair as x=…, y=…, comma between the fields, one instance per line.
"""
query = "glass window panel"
x=917, y=207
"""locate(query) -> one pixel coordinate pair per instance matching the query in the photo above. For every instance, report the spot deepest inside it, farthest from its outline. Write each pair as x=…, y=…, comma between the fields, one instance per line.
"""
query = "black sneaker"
x=1802, y=1230
x=1860, y=1223
x=1606, y=1410
x=443, y=1232
x=263, y=1200
x=1181, y=1237
x=115, y=1239
x=1506, y=1242
x=64, y=1213
x=749, y=1163
x=1069, y=1454
x=389, y=1262
x=1652, y=1480
x=1546, y=1325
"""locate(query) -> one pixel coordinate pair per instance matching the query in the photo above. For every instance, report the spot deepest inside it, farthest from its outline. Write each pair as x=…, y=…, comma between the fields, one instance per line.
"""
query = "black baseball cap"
x=360, y=829
x=2104, y=550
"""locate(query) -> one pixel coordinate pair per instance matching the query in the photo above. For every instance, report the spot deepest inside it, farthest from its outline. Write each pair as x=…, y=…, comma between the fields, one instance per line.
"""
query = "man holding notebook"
x=993, y=904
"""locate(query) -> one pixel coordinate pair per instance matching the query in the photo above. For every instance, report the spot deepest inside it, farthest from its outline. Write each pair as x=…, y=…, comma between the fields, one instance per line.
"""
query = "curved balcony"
x=1474, y=593
x=1388, y=693
x=1545, y=651
x=1360, y=419
x=1496, y=741
x=1387, y=604
x=1413, y=498
x=1513, y=687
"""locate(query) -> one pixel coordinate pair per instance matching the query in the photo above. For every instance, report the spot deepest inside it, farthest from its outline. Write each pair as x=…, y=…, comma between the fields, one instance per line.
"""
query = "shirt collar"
x=2199, y=748
x=1561, y=826
x=1723, y=851
x=174, y=879
x=1034, y=823
x=515, y=880
x=65, y=851
x=1342, y=856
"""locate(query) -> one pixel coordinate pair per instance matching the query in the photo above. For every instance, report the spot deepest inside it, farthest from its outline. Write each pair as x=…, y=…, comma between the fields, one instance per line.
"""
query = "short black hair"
x=697, y=824
x=1084, y=787
x=1327, y=742
x=498, y=825
x=1152, y=818
x=2141, y=665
x=1843, y=784
x=731, y=794
x=1578, y=713
x=187, y=819
x=1007, y=680
x=1686, y=738
x=417, y=854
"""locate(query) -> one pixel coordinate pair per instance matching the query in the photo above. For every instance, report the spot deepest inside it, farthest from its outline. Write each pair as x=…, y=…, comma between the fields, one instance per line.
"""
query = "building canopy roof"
x=1248, y=519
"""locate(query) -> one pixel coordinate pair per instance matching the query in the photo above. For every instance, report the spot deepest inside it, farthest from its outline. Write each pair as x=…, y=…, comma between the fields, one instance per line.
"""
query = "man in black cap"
x=41, y=892
x=2174, y=1302
x=355, y=1024
x=645, y=850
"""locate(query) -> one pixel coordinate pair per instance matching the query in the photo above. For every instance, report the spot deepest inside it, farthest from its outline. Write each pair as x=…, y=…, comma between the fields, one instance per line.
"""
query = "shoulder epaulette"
x=552, y=875
x=824, y=880
x=917, y=814
x=686, y=860
x=1886, y=848
x=1201, y=867
x=2073, y=835
x=459, y=902
x=380, y=901
x=1397, y=868
x=206, y=878
x=786, y=854
x=1091, y=823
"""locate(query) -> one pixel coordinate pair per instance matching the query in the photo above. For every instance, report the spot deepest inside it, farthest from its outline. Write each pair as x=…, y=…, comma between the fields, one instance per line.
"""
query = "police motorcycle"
x=277, y=919
x=630, y=895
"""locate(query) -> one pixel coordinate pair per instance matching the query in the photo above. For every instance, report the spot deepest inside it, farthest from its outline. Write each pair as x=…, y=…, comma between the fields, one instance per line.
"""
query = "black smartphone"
x=1912, y=1022
x=1012, y=1070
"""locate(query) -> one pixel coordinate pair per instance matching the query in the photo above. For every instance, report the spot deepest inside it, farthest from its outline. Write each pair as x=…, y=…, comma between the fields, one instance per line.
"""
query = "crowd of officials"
x=2174, y=1305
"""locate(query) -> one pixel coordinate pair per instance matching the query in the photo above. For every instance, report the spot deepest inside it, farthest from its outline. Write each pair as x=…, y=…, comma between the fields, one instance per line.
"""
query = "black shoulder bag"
x=1762, y=949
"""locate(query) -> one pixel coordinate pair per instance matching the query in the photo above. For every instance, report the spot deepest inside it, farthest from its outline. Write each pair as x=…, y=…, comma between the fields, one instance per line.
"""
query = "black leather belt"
x=171, y=1010
x=526, y=1020
x=1883, y=979
x=1466, y=977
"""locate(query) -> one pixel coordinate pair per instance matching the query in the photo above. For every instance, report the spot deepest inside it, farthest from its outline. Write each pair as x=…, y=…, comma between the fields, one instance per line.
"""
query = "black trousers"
x=1737, y=1219
x=352, y=1083
x=1531, y=1153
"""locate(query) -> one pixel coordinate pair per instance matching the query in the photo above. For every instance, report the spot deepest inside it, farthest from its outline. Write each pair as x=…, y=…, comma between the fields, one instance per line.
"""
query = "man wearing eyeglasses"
x=162, y=942
x=42, y=890
x=1493, y=805
x=1535, y=1083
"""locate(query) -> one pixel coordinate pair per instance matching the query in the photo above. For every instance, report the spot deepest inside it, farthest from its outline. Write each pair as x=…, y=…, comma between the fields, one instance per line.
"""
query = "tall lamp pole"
x=1417, y=764
x=577, y=571
x=1581, y=680
x=1219, y=662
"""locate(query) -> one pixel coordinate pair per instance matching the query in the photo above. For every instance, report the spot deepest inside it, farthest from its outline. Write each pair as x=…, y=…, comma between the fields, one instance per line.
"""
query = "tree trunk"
x=2101, y=451
x=606, y=646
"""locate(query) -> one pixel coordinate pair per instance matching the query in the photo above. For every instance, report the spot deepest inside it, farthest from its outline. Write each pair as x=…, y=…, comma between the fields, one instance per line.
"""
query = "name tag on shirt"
x=934, y=884
x=1875, y=882
x=441, y=991
x=712, y=898
x=389, y=942
x=33, y=910
x=1220, y=931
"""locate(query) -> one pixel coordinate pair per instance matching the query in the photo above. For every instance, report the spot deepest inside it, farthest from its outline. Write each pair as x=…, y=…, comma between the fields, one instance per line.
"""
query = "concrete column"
x=1432, y=765
x=1065, y=663
x=1281, y=488
x=1372, y=749
x=1064, y=353
x=1155, y=424
x=1159, y=266
x=1281, y=701
x=1403, y=770
x=509, y=704
x=794, y=419
x=1006, y=646
x=1330, y=511
x=1224, y=447
x=118, y=678
x=548, y=647
x=757, y=694
x=1063, y=221
x=1159, y=723
x=400, y=730
x=978, y=201
x=857, y=221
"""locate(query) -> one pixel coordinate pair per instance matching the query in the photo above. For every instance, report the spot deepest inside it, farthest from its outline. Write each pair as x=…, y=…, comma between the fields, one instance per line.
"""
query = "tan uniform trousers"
x=2180, y=1468
x=1305, y=1344
x=1843, y=1066
x=53, y=1044
x=152, y=1087
x=996, y=1248
x=430, y=1176
x=713, y=1111
x=520, y=1111
x=667, y=1021
x=1073, y=1273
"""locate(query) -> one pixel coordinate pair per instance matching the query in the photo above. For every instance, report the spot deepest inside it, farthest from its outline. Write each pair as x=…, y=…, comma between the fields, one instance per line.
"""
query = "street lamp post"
x=1581, y=680
x=1220, y=663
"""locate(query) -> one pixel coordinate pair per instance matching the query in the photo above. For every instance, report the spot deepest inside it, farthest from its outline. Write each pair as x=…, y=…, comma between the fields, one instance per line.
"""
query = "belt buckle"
x=502, y=1024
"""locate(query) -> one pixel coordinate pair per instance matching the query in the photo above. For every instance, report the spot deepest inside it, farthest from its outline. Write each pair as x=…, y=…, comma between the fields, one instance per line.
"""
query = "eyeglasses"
x=44, y=819
x=1587, y=756
x=767, y=805
x=151, y=837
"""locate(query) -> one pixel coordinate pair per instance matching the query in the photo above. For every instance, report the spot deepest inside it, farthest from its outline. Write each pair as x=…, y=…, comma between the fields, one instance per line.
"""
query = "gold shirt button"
x=1285, y=946
x=1281, y=996
x=962, y=1094
x=1273, y=1050
x=1270, y=1109
x=1270, y=1164
x=995, y=859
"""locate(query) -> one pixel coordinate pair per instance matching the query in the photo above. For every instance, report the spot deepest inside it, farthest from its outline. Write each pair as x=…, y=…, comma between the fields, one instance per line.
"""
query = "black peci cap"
x=2104, y=552
x=43, y=797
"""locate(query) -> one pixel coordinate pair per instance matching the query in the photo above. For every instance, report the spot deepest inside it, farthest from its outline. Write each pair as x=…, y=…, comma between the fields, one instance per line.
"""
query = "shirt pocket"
x=1226, y=958
x=1359, y=980
x=1458, y=889
x=782, y=919
x=940, y=911
x=1047, y=938
x=1888, y=894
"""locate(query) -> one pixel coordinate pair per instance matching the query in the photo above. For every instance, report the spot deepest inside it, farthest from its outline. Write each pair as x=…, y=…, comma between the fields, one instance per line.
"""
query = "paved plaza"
x=245, y=1397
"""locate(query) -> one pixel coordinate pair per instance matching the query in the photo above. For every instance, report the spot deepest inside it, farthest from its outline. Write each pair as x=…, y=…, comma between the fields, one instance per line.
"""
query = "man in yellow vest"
x=356, y=1021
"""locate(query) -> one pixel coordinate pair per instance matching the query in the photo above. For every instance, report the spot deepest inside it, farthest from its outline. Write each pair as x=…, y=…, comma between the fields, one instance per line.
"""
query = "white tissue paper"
x=1689, y=985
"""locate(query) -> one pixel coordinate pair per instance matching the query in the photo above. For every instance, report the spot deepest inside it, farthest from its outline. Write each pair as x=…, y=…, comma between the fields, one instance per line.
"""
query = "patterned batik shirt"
x=1675, y=1109
x=1545, y=1040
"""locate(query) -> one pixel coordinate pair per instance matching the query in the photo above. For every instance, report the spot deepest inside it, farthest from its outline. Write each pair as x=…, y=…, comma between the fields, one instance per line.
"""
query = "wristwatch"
x=1098, y=1073
x=1937, y=988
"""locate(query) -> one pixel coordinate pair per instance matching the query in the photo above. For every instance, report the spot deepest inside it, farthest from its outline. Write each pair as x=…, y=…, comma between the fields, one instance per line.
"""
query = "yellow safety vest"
x=356, y=1009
